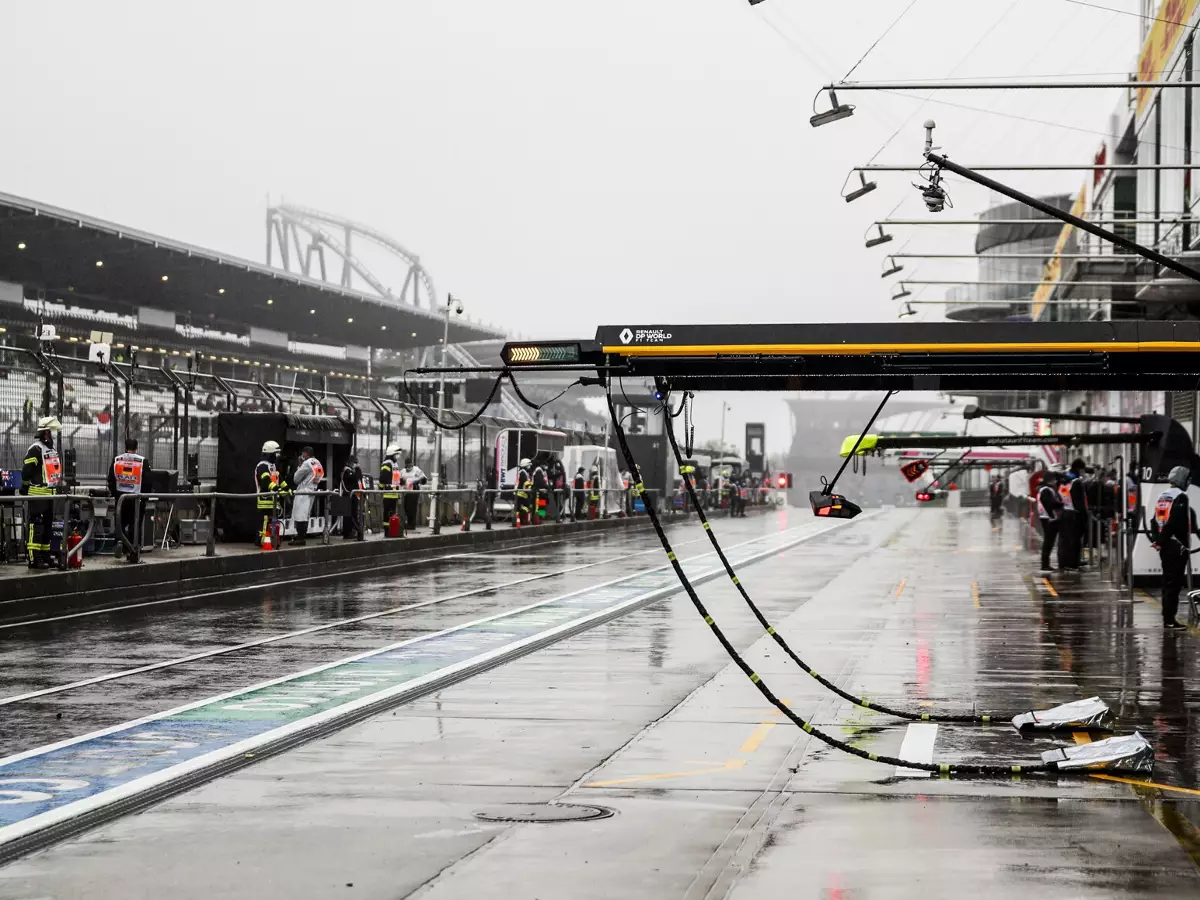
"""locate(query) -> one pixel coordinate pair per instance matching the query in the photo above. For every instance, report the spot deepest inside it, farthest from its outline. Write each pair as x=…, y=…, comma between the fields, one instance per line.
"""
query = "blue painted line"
x=49, y=785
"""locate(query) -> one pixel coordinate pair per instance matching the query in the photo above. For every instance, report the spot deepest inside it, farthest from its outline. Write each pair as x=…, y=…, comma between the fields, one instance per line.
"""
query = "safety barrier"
x=455, y=501
x=211, y=499
x=457, y=505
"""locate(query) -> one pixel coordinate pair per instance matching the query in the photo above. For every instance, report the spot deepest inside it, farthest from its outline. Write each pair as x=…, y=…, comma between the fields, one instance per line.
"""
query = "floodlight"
x=867, y=187
x=895, y=267
x=902, y=293
x=839, y=111
x=881, y=238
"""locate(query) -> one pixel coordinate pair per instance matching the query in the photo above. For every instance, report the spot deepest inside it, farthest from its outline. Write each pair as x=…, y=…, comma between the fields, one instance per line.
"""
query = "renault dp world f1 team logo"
x=644, y=336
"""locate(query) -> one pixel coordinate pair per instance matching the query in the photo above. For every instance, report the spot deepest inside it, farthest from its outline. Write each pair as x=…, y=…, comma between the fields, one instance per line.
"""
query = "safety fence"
x=173, y=416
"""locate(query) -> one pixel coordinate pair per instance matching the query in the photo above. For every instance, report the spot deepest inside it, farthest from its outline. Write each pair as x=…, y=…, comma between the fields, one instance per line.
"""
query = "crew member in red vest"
x=307, y=480
x=125, y=476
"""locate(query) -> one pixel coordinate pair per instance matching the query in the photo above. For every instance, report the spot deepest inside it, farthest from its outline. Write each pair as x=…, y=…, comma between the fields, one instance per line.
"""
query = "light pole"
x=457, y=307
x=724, y=406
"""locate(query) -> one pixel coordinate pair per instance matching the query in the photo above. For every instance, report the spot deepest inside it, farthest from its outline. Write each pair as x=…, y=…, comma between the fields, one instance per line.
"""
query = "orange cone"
x=266, y=540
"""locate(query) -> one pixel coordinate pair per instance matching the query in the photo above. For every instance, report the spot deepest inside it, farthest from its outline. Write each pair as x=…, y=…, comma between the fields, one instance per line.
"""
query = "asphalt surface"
x=715, y=795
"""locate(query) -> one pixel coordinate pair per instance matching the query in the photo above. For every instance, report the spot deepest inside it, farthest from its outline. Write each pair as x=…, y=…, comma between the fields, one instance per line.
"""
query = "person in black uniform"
x=737, y=500
x=578, y=495
x=348, y=486
x=1171, y=532
x=996, y=496
x=41, y=476
x=1082, y=517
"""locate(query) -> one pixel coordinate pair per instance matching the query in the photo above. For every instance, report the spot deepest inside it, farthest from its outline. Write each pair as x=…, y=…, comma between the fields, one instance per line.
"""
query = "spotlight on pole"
x=907, y=311
x=880, y=238
x=893, y=269
x=867, y=187
x=839, y=111
x=902, y=293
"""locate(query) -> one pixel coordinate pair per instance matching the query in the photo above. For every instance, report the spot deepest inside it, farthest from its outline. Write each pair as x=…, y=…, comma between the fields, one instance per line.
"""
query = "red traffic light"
x=924, y=496
x=783, y=481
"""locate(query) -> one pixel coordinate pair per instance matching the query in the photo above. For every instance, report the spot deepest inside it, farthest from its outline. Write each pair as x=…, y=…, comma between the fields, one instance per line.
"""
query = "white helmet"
x=392, y=450
x=270, y=447
x=524, y=462
x=48, y=423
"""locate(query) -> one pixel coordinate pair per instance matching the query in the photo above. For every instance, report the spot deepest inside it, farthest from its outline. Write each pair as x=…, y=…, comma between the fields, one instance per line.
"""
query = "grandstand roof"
x=56, y=250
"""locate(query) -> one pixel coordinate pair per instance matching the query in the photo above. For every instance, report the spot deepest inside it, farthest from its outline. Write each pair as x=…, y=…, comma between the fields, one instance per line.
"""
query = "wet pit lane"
x=75, y=674
x=715, y=794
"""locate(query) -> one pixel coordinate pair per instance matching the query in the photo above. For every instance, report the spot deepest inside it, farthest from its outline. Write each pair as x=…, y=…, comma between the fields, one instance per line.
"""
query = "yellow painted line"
x=1149, y=784
x=975, y=594
x=1082, y=737
x=755, y=740
x=1049, y=587
x=728, y=766
x=868, y=349
x=900, y=590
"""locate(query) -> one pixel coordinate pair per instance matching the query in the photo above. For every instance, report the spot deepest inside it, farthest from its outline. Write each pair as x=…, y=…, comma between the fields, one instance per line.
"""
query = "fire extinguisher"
x=393, y=530
x=74, y=539
x=276, y=534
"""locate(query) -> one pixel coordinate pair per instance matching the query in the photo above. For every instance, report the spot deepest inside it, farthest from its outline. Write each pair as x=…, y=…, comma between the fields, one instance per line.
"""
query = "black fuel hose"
x=972, y=718
x=972, y=769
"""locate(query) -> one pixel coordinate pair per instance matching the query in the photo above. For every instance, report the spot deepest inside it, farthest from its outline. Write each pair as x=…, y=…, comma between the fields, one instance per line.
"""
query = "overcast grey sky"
x=558, y=164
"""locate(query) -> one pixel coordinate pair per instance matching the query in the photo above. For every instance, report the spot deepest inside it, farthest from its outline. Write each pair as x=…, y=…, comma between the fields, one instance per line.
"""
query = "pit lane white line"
x=918, y=743
x=207, y=654
x=161, y=778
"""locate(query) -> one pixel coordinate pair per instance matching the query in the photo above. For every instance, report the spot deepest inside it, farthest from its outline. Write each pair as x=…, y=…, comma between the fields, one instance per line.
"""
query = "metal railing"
x=172, y=413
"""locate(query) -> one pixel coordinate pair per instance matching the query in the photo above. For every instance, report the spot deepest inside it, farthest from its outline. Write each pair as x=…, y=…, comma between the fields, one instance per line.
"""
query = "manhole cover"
x=543, y=812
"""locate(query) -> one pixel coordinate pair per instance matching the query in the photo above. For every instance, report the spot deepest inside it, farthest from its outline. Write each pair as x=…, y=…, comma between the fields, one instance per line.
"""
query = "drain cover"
x=543, y=812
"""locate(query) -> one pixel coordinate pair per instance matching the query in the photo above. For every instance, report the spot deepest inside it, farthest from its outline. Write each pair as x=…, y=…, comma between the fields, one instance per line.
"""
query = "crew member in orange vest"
x=125, y=477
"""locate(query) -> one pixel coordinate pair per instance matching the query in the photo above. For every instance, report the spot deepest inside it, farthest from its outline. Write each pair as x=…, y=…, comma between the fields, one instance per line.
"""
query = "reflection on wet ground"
x=445, y=591
x=715, y=794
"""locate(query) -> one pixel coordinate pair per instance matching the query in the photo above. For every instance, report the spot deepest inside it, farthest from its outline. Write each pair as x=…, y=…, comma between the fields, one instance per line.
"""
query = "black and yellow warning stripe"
x=874, y=348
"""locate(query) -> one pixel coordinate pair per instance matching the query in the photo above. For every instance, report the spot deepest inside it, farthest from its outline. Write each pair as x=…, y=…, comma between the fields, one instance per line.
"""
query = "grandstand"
x=241, y=335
